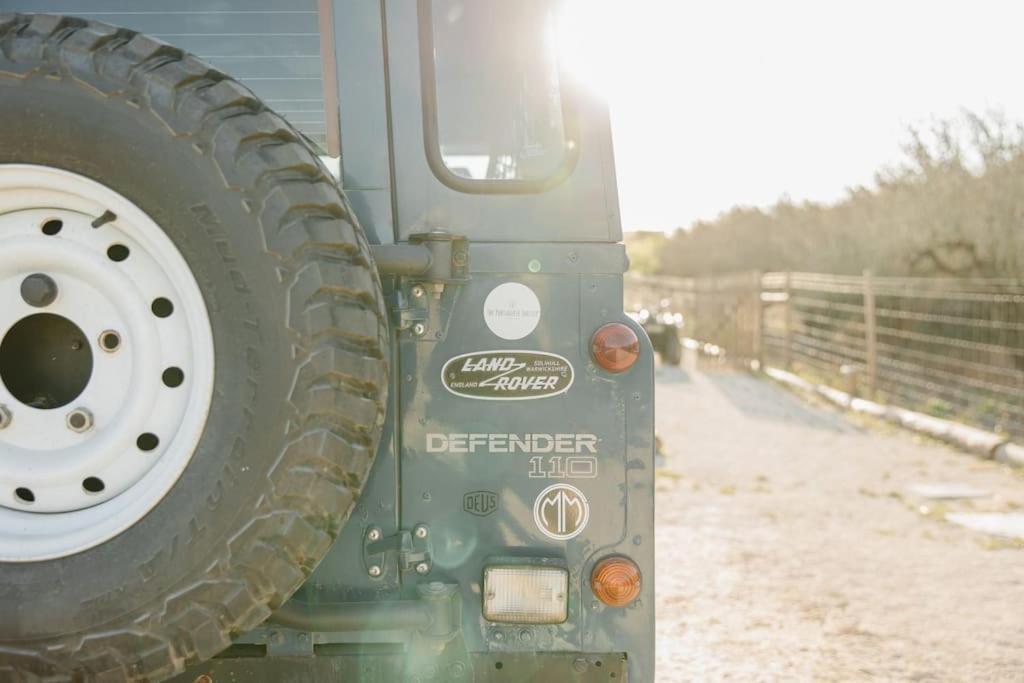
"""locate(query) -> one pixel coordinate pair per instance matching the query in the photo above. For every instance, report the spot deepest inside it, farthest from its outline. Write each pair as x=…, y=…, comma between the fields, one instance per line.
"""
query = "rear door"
x=512, y=442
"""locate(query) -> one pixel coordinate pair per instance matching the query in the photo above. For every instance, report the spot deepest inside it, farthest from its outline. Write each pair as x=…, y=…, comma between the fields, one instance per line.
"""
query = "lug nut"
x=39, y=290
x=421, y=531
x=374, y=571
x=5, y=417
x=422, y=568
x=80, y=420
x=110, y=341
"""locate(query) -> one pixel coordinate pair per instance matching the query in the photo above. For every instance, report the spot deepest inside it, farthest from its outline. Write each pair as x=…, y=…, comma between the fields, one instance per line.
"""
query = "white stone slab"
x=948, y=491
x=1010, y=525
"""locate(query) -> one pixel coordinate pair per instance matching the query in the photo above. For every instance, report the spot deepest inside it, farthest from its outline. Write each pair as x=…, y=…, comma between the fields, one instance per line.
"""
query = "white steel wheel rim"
x=130, y=397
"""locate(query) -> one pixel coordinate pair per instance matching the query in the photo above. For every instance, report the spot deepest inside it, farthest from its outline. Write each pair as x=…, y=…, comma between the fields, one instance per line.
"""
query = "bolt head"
x=5, y=417
x=418, y=291
x=421, y=532
x=419, y=329
x=375, y=571
x=374, y=535
x=80, y=420
x=422, y=568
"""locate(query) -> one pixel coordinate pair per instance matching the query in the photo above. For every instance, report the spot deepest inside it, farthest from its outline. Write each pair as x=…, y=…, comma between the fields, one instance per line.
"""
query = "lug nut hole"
x=52, y=227
x=162, y=308
x=25, y=495
x=110, y=341
x=93, y=485
x=173, y=377
x=147, y=442
x=39, y=290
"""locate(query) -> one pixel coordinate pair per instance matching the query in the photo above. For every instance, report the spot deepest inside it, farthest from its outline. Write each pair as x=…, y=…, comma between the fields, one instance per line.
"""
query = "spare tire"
x=193, y=355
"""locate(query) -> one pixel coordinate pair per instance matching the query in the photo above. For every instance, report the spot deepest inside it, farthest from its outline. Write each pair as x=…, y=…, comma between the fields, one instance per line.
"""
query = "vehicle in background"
x=664, y=328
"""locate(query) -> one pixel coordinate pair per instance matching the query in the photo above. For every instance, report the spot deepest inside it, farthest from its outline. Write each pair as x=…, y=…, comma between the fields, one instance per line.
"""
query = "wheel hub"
x=45, y=361
x=96, y=315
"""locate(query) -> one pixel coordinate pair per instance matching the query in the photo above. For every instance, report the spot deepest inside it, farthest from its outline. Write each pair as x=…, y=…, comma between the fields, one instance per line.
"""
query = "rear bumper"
x=390, y=668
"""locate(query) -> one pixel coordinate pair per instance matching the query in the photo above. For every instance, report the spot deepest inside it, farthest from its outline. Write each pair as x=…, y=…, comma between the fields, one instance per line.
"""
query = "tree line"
x=952, y=207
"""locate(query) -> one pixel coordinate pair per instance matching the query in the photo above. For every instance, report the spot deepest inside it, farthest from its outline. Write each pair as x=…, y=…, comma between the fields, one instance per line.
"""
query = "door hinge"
x=423, y=269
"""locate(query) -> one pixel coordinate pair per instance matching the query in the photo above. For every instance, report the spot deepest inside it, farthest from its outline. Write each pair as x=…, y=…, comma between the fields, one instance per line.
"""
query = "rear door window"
x=495, y=113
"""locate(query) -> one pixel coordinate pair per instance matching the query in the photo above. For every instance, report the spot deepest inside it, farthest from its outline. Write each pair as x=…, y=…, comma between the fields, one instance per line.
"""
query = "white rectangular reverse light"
x=522, y=594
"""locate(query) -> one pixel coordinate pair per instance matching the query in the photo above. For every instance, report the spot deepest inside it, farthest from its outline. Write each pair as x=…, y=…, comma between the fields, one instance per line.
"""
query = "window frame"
x=431, y=131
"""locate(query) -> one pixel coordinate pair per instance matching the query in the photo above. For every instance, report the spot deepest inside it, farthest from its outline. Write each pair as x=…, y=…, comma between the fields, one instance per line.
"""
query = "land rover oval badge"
x=507, y=375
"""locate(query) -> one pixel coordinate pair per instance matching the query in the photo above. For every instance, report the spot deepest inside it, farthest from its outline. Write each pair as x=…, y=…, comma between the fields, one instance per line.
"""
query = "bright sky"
x=725, y=102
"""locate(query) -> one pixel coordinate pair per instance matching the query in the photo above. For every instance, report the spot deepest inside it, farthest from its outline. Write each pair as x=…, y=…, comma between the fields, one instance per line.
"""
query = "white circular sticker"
x=512, y=310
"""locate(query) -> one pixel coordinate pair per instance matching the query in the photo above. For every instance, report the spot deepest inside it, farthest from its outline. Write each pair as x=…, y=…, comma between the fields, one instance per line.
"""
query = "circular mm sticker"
x=512, y=310
x=561, y=512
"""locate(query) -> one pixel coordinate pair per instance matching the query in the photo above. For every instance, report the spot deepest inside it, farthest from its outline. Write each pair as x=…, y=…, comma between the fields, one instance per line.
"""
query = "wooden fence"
x=951, y=348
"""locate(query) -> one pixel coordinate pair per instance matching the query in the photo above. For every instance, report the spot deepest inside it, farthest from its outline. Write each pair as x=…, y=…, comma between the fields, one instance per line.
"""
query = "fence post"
x=788, y=321
x=758, y=341
x=870, y=334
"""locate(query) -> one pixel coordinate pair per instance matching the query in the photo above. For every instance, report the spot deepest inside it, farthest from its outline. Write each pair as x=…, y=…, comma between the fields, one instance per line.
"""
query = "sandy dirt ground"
x=791, y=549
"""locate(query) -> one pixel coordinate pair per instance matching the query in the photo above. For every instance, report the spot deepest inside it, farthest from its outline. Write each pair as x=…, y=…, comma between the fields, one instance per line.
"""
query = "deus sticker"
x=480, y=503
x=507, y=375
x=561, y=512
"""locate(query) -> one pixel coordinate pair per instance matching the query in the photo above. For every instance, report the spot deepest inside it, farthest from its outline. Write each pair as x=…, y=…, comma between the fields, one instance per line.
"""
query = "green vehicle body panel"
x=563, y=243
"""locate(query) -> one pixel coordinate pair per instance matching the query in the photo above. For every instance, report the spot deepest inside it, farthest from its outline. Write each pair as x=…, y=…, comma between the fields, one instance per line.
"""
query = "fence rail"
x=951, y=348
